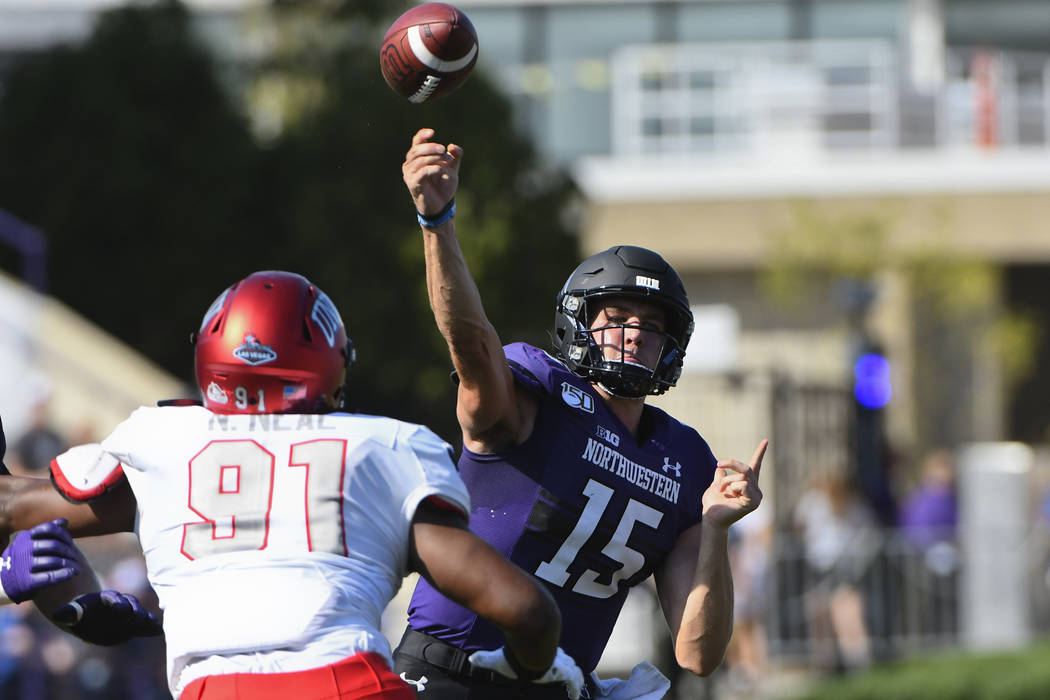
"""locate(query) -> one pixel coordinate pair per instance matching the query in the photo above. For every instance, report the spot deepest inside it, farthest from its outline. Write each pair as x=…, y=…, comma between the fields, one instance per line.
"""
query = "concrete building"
x=732, y=134
x=831, y=177
x=901, y=145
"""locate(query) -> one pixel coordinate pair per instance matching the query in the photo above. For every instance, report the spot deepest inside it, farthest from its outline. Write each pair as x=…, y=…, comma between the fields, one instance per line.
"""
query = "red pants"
x=363, y=676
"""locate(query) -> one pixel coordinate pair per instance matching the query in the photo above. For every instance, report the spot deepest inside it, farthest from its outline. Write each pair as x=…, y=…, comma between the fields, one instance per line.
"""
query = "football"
x=428, y=51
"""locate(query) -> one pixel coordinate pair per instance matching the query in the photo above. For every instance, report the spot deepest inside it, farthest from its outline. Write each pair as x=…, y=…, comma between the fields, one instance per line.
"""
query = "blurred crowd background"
x=856, y=193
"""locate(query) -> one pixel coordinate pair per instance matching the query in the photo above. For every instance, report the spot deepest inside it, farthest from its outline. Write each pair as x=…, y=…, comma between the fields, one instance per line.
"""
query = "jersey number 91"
x=231, y=488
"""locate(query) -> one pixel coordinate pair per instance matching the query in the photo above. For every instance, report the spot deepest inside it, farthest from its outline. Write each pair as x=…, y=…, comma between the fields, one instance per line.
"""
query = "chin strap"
x=607, y=389
x=624, y=373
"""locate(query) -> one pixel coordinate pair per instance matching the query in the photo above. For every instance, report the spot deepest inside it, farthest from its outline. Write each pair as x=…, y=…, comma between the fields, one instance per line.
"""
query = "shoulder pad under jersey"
x=85, y=472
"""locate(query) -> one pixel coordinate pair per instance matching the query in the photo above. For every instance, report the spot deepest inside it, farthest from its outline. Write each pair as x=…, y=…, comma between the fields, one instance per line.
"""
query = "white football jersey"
x=274, y=542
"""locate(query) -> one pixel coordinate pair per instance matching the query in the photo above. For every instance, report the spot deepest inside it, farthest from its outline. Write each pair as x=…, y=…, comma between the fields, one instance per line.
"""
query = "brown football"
x=428, y=51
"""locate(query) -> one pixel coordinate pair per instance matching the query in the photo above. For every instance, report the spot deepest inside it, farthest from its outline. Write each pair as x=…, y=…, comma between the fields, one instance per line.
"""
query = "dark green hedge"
x=1023, y=675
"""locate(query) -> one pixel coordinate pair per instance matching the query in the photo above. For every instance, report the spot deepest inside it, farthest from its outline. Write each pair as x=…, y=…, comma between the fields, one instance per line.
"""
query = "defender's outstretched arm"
x=27, y=501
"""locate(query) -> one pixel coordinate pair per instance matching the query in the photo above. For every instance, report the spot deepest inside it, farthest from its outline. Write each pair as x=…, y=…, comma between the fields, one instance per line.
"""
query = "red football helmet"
x=272, y=343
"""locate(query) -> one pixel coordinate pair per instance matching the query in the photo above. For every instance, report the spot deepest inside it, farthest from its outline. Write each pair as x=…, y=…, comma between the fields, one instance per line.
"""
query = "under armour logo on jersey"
x=420, y=685
x=577, y=397
x=5, y=563
x=677, y=468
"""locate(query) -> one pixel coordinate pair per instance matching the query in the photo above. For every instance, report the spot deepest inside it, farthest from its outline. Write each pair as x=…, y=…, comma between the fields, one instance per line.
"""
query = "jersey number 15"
x=598, y=496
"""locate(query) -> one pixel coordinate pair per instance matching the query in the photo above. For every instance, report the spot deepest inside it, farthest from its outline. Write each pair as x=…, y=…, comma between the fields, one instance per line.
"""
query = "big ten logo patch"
x=650, y=282
x=608, y=435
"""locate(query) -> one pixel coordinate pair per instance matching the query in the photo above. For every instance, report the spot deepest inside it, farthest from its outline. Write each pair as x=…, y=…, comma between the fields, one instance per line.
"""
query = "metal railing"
x=884, y=598
x=798, y=98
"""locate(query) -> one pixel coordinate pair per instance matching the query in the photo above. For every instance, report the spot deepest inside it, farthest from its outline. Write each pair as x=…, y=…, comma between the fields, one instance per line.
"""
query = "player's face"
x=631, y=331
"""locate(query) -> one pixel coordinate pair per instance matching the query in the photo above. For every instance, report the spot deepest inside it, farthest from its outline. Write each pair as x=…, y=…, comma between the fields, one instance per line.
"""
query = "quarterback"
x=275, y=527
x=571, y=474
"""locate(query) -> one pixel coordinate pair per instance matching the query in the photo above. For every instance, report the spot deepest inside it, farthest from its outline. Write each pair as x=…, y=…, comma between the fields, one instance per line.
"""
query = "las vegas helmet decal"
x=252, y=352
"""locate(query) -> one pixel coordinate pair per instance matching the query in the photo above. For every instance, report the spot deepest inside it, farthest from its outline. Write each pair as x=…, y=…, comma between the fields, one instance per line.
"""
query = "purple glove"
x=107, y=618
x=37, y=558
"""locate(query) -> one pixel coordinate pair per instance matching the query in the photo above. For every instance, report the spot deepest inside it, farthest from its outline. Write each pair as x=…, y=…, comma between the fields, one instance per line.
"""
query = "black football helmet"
x=3, y=449
x=622, y=271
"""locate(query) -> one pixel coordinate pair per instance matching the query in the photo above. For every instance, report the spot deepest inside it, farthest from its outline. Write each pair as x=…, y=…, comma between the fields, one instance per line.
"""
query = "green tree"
x=154, y=194
x=351, y=220
x=128, y=154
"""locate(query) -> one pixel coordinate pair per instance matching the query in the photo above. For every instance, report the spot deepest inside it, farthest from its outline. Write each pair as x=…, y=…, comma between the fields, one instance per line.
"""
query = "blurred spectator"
x=750, y=544
x=840, y=539
x=82, y=433
x=928, y=522
x=1042, y=546
x=39, y=662
x=930, y=513
x=32, y=452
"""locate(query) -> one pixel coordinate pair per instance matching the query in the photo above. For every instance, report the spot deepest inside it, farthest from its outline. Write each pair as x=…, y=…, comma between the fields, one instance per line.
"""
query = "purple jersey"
x=578, y=504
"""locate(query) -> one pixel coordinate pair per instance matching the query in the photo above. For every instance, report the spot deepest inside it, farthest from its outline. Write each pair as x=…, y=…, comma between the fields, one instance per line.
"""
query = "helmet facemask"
x=628, y=272
x=620, y=378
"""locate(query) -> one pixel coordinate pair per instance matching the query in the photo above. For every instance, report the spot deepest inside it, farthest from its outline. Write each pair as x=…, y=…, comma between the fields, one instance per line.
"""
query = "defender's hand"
x=37, y=558
x=107, y=618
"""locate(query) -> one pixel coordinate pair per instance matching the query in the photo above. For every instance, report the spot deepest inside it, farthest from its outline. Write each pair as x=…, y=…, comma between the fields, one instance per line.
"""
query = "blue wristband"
x=441, y=217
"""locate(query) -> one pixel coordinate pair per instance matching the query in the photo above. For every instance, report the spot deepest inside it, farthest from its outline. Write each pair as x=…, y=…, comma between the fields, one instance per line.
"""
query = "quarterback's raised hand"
x=562, y=670
x=431, y=173
x=37, y=558
x=734, y=491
